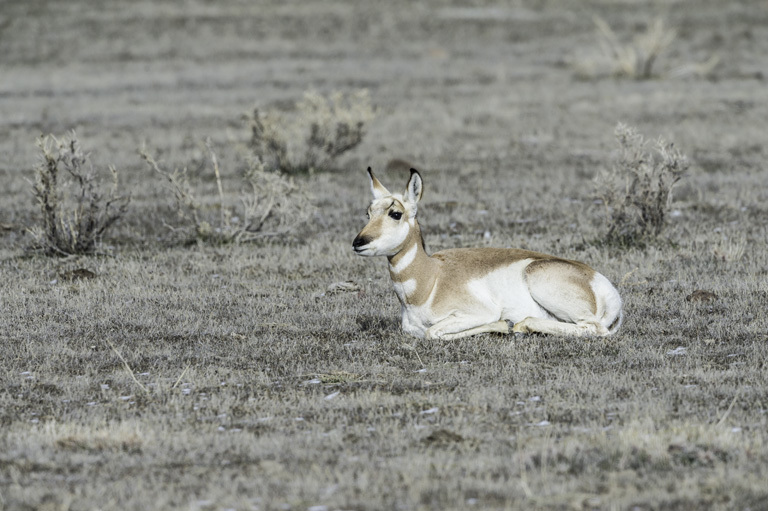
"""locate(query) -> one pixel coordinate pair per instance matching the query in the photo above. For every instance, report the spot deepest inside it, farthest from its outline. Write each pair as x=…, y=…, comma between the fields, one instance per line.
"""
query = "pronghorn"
x=466, y=291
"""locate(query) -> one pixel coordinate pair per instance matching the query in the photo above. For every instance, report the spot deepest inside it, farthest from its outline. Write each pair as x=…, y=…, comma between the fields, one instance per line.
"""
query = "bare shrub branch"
x=637, y=190
x=75, y=212
x=315, y=136
x=635, y=60
x=266, y=204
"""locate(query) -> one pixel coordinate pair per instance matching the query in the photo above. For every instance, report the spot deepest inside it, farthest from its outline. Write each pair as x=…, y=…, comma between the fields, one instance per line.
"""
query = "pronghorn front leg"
x=451, y=328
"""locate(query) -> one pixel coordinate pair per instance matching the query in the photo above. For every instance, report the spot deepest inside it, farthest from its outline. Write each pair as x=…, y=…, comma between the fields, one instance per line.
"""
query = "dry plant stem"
x=127, y=367
x=412, y=348
x=178, y=380
x=215, y=163
x=728, y=411
x=186, y=203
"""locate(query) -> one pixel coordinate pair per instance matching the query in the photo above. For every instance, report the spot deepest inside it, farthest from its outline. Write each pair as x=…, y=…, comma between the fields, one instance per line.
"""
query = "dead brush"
x=636, y=59
x=267, y=204
x=75, y=212
x=636, y=191
x=314, y=136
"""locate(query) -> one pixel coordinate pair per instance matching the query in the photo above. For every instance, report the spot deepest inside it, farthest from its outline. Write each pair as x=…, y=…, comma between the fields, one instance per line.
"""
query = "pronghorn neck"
x=411, y=270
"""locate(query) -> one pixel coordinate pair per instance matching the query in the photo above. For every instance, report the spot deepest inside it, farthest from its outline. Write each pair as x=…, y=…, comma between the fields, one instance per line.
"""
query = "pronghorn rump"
x=460, y=292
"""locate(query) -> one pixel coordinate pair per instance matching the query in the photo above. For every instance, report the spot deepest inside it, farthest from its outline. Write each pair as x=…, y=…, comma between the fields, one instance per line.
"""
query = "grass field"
x=175, y=375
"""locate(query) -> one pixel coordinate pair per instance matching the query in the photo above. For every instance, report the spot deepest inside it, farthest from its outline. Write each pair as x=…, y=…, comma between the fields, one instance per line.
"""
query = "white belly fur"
x=504, y=294
x=501, y=294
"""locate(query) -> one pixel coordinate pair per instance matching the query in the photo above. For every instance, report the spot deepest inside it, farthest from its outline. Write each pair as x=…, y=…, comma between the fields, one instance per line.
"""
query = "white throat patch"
x=405, y=261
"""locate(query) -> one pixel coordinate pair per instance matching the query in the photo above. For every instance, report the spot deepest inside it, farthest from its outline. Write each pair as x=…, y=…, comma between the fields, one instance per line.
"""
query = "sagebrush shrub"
x=265, y=204
x=76, y=213
x=312, y=137
x=637, y=190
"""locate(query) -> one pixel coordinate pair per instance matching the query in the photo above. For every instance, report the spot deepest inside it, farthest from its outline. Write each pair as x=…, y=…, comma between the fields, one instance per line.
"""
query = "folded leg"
x=450, y=329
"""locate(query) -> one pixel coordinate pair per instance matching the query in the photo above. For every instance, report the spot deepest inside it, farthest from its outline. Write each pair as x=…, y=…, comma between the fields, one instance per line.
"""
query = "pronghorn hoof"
x=521, y=328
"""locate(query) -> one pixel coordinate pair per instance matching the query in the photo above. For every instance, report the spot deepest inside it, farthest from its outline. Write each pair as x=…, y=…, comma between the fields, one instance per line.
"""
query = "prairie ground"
x=175, y=375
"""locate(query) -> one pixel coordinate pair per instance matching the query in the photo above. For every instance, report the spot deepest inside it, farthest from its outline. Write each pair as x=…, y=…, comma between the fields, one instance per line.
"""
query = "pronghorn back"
x=459, y=292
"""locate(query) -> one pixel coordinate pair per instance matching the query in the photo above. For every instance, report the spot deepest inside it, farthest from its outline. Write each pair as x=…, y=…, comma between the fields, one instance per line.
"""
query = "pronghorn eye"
x=395, y=215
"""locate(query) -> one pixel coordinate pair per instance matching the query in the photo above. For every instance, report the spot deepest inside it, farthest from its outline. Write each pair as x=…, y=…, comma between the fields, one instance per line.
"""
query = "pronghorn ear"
x=415, y=187
x=377, y=189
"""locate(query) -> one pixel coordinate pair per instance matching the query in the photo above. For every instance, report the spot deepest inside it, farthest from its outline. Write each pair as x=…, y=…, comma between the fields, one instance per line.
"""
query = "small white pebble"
x=429, y=411
x=542, y=423
x=332, y=395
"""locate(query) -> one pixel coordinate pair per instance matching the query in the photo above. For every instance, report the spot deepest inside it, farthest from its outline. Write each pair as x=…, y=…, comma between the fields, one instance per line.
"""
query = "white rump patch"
x=608, y=301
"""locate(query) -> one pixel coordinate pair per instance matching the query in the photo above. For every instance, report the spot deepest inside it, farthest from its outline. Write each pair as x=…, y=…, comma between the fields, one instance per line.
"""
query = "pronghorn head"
x=391, y=218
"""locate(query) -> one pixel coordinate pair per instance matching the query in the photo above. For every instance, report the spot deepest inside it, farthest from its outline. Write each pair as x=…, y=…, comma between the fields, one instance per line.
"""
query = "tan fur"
x=577, y=274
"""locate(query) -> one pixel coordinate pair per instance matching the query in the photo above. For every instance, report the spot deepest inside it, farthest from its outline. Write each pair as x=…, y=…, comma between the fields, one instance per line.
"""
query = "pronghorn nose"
x=360, y=241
